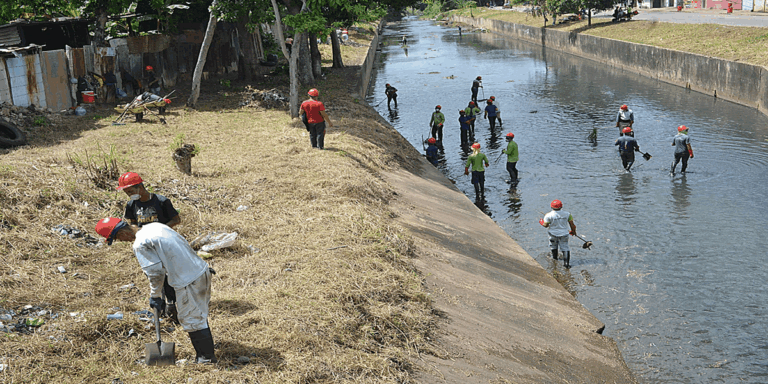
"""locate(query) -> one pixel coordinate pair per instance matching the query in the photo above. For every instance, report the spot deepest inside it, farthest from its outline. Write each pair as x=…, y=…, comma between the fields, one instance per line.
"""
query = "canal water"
x=678, y=268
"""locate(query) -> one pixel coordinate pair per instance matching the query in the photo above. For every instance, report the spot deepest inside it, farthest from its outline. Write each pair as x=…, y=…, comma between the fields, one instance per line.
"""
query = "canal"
x=677, y=271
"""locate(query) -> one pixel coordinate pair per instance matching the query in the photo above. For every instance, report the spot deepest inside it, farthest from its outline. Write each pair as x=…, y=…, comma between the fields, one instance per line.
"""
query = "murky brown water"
x=677, y=272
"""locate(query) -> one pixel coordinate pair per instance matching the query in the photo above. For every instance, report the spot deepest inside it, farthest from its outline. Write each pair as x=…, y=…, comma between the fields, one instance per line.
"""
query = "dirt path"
x=504, y=318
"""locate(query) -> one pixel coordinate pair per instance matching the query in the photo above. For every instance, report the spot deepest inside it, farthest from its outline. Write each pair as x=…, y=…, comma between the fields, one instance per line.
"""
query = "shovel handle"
x=157, y=325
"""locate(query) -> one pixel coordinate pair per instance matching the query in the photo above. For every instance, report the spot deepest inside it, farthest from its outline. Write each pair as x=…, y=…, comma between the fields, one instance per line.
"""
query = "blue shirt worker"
x=625, y=118
x=465, y=125
x=436, y=122
x=683, y=150
x=391, y=93
x=627, y=148
x=490, y=114
x=432, y=151
x=476, y=85
x=512, y=157
x=498, y=110
x=161, y=251
x=476, y=161
x=560, y=225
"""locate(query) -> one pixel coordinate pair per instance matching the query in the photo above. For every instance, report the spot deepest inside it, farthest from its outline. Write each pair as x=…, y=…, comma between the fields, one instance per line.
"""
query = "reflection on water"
x=675, y=273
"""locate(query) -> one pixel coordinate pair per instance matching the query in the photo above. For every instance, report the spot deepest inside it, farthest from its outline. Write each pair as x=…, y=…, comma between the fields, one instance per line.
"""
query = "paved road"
x=703, y=16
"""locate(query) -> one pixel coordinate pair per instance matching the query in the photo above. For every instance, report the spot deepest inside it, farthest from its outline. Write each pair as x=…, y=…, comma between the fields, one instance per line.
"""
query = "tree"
x=196, y=77
x=595, y=5
x=13, y=9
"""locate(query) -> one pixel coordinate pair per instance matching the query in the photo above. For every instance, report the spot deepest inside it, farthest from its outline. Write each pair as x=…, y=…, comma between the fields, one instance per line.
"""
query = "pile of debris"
x=26, y=118
x=271, y=99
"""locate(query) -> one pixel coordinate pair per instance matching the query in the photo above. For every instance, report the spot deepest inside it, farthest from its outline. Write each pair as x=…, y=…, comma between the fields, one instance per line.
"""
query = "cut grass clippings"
x=319, y=286
x=742, y=44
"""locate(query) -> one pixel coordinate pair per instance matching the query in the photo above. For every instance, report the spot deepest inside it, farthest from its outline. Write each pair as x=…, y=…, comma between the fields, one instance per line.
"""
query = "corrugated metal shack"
x=38, y=59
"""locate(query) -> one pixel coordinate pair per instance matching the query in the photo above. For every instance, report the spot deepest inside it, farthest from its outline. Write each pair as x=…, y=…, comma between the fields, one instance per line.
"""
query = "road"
x=702, y=16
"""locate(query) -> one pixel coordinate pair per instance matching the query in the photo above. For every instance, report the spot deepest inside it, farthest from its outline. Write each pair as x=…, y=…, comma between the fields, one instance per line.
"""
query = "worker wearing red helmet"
x=465, y=124
x=683, y=150
x=472, y=110
x=476, y=161
x=153, y=82
x=314, y=111
x=627, y=148
x=432, y=151
x=625, y=118
x=391, y=93
x=490, y=113
x=476, y=85
x=436, y=123
x=161, y=251
x=144, y=208
x=498, y=110
x=512, y=157
x=560, y=225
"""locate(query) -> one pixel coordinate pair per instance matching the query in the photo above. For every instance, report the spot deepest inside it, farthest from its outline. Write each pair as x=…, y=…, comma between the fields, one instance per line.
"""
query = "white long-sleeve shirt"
x=160, y=251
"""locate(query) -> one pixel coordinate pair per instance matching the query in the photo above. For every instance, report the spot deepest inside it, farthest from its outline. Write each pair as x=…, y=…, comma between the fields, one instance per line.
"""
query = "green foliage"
x=40, y=121
x=13, y=9
x=178, y=142
x=225, y=83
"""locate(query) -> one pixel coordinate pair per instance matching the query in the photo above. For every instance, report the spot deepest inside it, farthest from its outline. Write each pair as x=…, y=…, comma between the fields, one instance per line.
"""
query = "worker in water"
x=512, y=157
x=436, y=122
x=476, y=161
x=432, y=151
x=472, y=111
x=391, y=93
x=558, y=223
x=498, y=110
x=490, y=114
x=627, y=148
x=476, y=85
x=625, y=118
x=683, y=150
x=465, y=123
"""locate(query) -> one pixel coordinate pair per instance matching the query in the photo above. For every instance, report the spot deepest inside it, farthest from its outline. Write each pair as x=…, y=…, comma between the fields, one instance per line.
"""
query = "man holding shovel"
x=558, y=223
x=160, y=251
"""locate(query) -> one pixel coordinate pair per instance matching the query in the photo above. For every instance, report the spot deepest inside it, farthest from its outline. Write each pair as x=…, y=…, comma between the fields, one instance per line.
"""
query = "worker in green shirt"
x=472, y=110
x=476, y=160
x=512, y=156
x=436, y=122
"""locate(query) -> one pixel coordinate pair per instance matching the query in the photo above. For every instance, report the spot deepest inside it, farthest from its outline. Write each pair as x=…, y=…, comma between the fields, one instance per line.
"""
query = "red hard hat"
x=624, y=107
x=431, y=140
x=387, y=85
x=167, y=101
x=479, y=77
x=556, y=204
x=492, y=98
x=106, y=228
x=682, y=128
x=626, y=130
x=511, y=135
x=149, y=68
x=476, y=145
x=128, y=179
x=313, y=92
x=471, y=103
x=438, y=106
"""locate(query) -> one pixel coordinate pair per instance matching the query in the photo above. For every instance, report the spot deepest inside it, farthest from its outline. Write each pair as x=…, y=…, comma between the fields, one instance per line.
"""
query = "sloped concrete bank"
x=745, y=84
x=504, y=318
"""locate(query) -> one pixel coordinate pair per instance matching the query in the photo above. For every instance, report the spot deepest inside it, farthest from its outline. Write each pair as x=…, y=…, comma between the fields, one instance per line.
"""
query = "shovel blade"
x=160, y=354
x=647, y=156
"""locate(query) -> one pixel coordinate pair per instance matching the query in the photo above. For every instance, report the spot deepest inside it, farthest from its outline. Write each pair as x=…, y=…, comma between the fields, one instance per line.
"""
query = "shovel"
x=586, y=244
x=646, y=156
x=160, y=353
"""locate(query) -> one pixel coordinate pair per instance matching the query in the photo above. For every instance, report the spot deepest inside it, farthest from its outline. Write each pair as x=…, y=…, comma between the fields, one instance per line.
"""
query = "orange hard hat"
x=108, y=228
x=128, y=179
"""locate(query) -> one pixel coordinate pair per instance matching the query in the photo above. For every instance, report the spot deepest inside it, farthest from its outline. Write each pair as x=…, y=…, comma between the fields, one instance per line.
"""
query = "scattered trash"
x=6, y=317
x=3, y=367
x=115, y=316
x=288, y=270
x=62, y=269
x=204, y=255
x=132, y=333
x=243, y=360
x=253, y=249
x=74, y=233
x=127, y=286
x=80, y=111
x=214, y=241
x=242, y=208
x=42, y=313
x=34, y=322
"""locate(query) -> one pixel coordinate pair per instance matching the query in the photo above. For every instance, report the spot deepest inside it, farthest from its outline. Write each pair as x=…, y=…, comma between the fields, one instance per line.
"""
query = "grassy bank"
x=744, y=44
x=319, y=286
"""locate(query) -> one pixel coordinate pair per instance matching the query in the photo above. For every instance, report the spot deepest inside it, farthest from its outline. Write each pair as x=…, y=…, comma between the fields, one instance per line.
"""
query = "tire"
x=10, y=136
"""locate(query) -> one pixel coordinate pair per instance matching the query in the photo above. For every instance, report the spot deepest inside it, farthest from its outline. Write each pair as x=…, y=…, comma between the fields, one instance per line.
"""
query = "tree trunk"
x=305, y=60
x=99, y=32
x=196, y=77
x=247, y=61
x=589, y=17
x=337, y=61
x=293, y=73
x=279, y=30
x=259, y=47
x=317, y=65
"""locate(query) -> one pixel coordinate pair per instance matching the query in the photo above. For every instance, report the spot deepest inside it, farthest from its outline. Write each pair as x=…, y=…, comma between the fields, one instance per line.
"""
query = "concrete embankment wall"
x=503, y=317
x=745, y=84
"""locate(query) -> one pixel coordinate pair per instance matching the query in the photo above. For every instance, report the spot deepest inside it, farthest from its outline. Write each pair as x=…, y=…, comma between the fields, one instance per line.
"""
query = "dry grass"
x=318, y=288
x=744, y=44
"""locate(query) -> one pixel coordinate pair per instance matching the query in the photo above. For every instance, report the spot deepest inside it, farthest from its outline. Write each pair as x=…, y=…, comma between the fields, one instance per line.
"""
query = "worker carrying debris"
x=160, y=250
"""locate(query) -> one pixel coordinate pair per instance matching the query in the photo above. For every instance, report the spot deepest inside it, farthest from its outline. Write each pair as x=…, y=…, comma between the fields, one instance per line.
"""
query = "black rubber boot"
x=203, y=342
x=567, y=259
x=554, y=254
x=477, y=191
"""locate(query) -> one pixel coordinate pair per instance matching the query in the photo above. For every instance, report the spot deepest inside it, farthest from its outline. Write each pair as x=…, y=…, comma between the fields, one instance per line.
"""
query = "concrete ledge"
x=741, y=83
